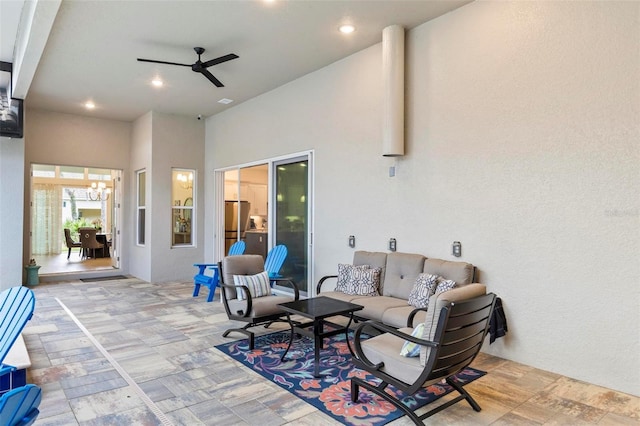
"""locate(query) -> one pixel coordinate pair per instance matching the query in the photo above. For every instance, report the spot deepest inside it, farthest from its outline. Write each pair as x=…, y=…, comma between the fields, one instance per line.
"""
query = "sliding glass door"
x=277, y=200
x=292, y=217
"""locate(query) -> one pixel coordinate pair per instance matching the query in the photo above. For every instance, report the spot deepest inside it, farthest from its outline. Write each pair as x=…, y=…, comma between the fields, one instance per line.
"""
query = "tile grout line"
x=145, y=398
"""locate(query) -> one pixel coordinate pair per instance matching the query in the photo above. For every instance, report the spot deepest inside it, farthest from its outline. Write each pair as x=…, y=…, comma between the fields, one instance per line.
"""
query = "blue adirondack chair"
x=19, y=406
x=211, y=281
x=16, y=308
x=274, y=261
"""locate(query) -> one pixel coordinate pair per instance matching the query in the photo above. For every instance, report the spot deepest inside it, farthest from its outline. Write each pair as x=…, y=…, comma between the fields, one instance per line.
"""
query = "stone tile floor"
x=128, y=352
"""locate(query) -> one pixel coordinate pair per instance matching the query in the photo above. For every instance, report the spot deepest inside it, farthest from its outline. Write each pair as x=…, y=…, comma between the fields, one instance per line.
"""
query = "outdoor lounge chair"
x=274, y=261
x=253, y=310
x=453, y=335
x=19, y=406
x=16, y=308
x=211, y=281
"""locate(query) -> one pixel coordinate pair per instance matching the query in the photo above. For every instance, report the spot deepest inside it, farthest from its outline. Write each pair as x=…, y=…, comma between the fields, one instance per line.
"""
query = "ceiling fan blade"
x=220, y=60
x=211, y=78
x=163, y=62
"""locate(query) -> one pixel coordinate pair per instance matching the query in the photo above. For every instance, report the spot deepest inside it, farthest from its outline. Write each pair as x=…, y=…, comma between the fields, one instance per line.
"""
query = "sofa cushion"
x=397, y=317
x=402, y=271
x=375, y=306
x=364, y=282
x=440, y=300
x=423, y=288
x=340, y=296
x=260, y=307
x=374, y=259
x=460, y=272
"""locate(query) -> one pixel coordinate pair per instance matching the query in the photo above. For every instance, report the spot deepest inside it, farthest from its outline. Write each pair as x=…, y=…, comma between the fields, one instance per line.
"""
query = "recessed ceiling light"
x=225, y=101
x=347, y=29
x=157, y=82
x=89, y=105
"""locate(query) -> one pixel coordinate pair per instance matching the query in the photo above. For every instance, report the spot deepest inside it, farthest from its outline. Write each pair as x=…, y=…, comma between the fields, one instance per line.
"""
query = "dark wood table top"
x=320, y=307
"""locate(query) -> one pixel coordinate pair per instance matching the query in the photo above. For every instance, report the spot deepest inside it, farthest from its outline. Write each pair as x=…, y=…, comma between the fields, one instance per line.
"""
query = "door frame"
x=219, y=199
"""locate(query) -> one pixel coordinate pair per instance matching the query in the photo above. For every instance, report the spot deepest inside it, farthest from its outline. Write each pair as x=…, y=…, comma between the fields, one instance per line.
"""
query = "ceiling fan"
x=200, y=66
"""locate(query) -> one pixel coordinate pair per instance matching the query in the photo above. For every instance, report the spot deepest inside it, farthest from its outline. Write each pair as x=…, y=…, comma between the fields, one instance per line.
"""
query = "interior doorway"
x=74, y=198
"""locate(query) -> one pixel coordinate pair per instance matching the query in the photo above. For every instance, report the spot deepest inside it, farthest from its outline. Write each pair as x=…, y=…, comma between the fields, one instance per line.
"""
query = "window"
x=141, y=205
x=183, y=216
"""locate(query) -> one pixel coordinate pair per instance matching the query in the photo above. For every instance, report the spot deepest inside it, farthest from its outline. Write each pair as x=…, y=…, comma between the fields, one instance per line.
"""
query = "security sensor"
x=199, y=117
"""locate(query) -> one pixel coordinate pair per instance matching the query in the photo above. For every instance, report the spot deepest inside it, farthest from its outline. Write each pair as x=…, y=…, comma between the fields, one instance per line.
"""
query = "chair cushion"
x=364, y=282
x=245, y=264
x=260, y=307
x=258, y=284
x=440, y=300
x=410, y=348
x=423, y=288
x=386, y=348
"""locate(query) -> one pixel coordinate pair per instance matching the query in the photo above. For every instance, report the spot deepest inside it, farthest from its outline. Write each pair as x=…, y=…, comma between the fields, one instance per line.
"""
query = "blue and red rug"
x=331, y=394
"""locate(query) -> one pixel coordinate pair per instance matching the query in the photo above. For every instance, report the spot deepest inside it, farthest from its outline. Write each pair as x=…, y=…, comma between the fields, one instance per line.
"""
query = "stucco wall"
x=177, y=142
x=11, y=196
x=522, y=143
x=66, y=139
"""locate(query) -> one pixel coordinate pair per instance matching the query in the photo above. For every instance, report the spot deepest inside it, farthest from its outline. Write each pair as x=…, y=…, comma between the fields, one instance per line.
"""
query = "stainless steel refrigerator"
x=235, y=221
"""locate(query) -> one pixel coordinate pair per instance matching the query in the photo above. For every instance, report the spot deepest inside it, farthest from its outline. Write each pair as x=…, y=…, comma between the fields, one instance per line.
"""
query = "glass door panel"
x=291, y=193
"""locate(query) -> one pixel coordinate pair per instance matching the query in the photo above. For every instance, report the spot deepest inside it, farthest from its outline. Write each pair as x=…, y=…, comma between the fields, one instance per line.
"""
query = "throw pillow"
x=410, y=348
x=423, y=288
x=364, y=282
x=258, y=284
x=344, y=276
x=444, y=285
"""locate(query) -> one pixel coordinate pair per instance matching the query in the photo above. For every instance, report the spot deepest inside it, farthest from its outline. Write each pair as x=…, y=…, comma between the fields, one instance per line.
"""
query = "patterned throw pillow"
x=410, y=348
x=364, y=282
x=423, y=288
x=445, y=285
x=258, y=284
x=344, y=277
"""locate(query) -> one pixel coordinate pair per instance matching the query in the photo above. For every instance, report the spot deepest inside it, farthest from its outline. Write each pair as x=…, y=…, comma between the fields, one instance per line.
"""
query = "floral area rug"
x=331, y=393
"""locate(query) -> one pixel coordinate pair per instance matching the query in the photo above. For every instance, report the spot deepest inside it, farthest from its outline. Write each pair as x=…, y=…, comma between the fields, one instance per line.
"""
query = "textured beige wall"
x=522, y=143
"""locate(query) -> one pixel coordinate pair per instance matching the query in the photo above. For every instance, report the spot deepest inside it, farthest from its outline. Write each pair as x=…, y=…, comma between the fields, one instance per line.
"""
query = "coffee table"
x=318, y=309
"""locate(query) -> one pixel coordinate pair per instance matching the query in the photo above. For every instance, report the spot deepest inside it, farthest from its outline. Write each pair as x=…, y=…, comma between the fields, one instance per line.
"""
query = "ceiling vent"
x=393, y=91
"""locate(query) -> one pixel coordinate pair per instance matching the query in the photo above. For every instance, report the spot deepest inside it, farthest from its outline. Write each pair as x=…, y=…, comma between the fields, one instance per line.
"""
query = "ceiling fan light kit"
x=199, y=66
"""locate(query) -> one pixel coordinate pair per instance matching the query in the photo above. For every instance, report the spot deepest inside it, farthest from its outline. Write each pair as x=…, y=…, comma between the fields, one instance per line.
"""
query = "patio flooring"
x=131, y=352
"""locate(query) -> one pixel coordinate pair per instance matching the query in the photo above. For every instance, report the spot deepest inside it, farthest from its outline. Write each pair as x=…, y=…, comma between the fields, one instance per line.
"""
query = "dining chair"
x=89, y=242
x=70, y=243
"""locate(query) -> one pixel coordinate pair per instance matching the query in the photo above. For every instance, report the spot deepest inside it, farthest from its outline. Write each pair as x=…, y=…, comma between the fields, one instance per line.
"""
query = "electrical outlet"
x=392, y=244
x=456, y=249
x=352, y=241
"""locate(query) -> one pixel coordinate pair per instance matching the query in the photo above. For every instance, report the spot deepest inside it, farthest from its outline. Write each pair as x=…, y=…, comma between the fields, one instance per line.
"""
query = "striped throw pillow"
x=258, y=285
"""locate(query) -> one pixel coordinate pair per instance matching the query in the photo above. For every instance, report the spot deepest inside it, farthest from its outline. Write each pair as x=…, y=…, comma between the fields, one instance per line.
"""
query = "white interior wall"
x=177, y=143
x=66, y=139
x=11, y=194
x=141, y=148
x=522, y=130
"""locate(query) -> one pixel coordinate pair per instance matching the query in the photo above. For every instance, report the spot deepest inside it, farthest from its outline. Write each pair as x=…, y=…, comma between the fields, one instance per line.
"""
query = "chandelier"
x=98, y=191
x=186, y=181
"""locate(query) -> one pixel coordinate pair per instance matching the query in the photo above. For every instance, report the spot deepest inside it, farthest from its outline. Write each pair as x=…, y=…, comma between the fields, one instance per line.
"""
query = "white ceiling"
x=93, y=45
